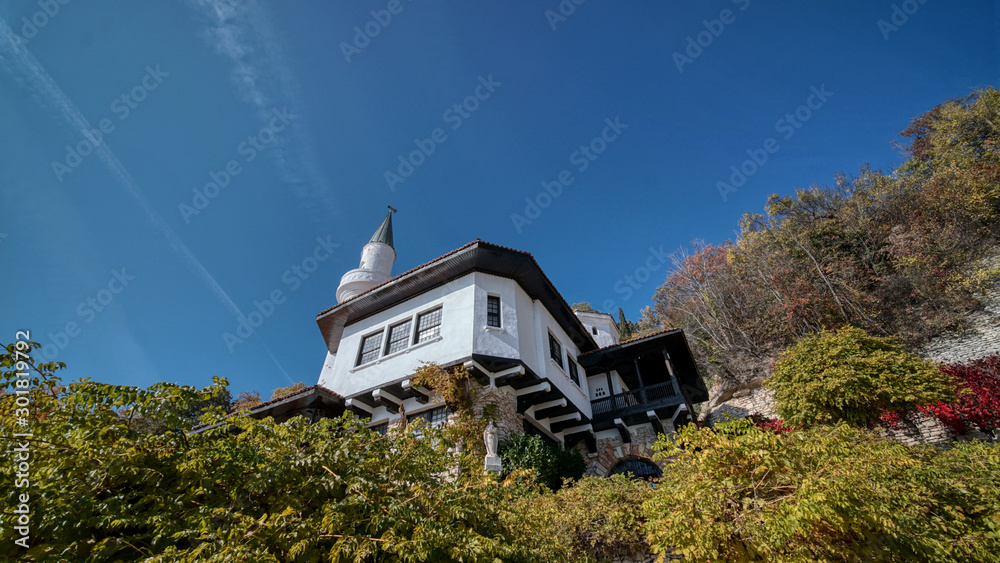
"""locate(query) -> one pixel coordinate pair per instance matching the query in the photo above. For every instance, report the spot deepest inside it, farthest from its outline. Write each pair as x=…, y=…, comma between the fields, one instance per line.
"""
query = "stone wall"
x=981, y=338
x=745, y=402
x=919, y=428
x=505, y=398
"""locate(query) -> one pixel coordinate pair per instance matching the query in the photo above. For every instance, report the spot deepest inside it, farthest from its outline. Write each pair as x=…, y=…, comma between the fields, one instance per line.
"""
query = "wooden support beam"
x=549, y=409
x=623, y=431
x=359, y=408
x=423, y=394
x=527, y=396
x=560, y=423
x=543, y=387
x=655, y=422
x=387, y=400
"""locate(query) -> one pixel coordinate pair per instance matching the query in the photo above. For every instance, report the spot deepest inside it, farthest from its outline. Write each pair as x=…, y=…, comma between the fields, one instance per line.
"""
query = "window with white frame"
x=493, y=311
x=574, y=372
x=428, y=325
x=555, y=350
x=399, y=337
x=370, y=346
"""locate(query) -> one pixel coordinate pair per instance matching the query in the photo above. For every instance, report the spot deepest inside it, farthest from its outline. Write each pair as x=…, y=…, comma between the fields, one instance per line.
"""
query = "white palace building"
x=551, y=371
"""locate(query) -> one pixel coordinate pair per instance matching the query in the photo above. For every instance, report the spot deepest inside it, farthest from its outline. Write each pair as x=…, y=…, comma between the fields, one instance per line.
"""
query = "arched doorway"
x=636, y=468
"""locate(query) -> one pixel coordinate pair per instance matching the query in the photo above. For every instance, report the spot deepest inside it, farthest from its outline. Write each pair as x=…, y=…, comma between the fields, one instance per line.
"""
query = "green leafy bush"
x=593, y=519
x=551, y=463
x=740, y=493
x=244, y=490
x=852, y=377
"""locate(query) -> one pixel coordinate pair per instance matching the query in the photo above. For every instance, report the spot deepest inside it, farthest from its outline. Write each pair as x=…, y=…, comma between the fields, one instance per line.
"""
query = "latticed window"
x=493, y=311
x=429, y=325
x=369, y=348
x=381, y=428
x=399, y=336
x=555, y=350
x=574, y=372
x=433, y=417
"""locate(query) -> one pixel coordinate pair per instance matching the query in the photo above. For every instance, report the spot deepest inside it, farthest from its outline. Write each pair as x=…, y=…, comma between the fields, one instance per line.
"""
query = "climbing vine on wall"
x=463, y=395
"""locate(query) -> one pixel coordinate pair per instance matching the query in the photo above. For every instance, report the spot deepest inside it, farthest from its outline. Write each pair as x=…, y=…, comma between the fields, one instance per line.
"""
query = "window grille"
x=574, y=372
x=555, y=350
x=493, y=311
x=399, y=335
x=429, y=325
x=636, y=469
x=381, y=428
x=434, y=417
x=369, y=348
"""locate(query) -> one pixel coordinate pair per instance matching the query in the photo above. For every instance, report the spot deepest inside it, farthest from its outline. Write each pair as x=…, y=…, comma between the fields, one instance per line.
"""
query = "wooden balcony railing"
x=636, y=400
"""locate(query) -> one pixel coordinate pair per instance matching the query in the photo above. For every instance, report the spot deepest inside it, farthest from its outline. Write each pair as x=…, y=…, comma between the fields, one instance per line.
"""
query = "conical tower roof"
x=384, y=232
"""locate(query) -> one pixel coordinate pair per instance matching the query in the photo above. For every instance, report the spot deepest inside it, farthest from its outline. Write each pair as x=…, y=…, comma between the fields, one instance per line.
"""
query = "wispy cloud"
x=25, y=69
x=242, y=33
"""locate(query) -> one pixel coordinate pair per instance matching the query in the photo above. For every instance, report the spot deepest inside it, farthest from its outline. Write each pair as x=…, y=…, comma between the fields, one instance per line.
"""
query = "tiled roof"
x=630, y=340
x=302, y=391
x=260, y=406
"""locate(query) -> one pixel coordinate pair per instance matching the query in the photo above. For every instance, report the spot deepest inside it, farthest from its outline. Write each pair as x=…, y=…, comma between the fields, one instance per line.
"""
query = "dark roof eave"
x=476, y=256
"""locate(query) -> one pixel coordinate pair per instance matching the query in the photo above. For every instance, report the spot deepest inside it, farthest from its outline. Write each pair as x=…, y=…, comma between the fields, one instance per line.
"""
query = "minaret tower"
x=376, y=263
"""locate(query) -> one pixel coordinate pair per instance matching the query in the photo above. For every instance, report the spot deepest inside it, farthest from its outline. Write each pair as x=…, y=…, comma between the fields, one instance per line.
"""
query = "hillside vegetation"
x=893, y=253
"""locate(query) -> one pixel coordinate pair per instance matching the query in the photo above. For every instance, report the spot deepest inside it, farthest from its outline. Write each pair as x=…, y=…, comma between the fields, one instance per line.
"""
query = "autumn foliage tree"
x=902, y=253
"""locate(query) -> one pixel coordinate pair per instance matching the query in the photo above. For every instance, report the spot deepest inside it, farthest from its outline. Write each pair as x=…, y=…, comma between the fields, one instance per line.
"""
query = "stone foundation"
x=611, y=449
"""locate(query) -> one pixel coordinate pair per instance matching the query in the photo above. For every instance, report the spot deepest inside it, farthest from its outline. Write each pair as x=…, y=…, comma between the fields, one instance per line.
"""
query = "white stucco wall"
x=607, y=329
x=457, y=299
x=501, y=342
x=600, y=380
x=543, y=324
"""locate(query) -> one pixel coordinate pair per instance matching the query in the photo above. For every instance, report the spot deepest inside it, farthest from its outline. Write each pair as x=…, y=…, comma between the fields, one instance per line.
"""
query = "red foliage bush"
x=978, y=402
x=773, y=424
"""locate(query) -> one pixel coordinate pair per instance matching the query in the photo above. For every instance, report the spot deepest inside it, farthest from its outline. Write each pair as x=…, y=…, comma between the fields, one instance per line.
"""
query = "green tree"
x=852, y=377
x=551, y=463
x=242, y=490
x=583, y=307
x=739, y=493
x=626, y=328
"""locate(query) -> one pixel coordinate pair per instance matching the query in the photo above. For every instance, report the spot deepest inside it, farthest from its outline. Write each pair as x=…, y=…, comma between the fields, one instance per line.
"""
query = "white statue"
x=493, y=462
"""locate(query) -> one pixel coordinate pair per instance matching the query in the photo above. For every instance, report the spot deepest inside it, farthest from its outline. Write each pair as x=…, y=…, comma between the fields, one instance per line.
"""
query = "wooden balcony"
x=636, y=401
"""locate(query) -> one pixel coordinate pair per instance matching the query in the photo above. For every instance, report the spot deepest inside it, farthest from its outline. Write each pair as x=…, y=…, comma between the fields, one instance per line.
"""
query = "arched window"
x=636, y=469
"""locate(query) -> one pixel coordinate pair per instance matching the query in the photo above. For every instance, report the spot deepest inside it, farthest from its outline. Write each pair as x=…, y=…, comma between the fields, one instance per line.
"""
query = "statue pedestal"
x=493, y=463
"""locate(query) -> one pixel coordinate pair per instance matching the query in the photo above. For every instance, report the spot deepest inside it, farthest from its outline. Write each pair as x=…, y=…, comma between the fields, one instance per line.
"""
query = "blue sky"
x=119, y=119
